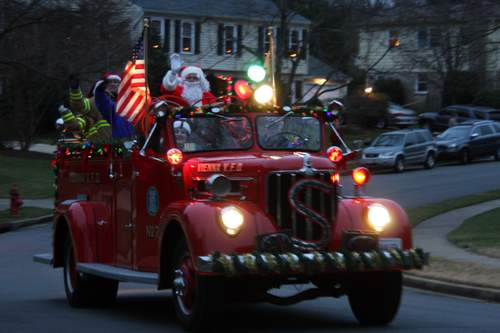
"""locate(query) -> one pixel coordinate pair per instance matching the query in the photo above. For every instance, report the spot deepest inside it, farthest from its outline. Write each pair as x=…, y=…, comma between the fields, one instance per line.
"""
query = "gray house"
x=224, y=37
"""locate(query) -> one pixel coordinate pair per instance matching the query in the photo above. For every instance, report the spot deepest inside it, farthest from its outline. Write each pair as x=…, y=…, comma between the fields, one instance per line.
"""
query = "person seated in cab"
x=182, y=135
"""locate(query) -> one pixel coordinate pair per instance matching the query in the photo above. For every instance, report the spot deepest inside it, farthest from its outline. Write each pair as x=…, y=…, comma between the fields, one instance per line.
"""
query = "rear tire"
x=195, y=297
x=430, y=161
x=399, y=165
x=375, y=296
x=464, y=156
x=82, y=289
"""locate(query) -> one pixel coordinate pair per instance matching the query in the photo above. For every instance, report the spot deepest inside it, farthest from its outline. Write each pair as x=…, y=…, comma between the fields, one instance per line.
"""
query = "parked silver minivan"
x=398, y=149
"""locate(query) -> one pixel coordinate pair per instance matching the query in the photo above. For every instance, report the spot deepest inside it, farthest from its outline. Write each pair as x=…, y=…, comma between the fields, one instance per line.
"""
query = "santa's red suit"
x=195, y=93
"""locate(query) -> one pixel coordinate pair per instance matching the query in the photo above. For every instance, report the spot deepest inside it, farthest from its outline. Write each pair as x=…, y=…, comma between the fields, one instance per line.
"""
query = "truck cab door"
x=121, y=172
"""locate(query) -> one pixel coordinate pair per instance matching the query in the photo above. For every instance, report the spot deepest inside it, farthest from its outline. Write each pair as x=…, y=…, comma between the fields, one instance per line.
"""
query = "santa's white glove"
x=175, y=63
x=63, y=109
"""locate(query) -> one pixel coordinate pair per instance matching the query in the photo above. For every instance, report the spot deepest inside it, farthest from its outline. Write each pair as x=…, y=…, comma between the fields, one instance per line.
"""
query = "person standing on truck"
x=105, y=94
x=83, y=117
x=187, y=82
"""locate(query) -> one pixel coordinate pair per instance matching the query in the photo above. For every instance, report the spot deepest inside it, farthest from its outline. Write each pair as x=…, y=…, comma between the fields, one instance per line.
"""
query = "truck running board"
x=105, y=271
x=117, y=273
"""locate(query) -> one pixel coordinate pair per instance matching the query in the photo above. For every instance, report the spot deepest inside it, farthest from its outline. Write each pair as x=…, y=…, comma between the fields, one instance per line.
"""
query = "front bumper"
x=312, y=263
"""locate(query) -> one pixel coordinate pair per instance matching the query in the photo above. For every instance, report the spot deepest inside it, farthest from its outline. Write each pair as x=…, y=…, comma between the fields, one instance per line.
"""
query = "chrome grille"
x=278, y=206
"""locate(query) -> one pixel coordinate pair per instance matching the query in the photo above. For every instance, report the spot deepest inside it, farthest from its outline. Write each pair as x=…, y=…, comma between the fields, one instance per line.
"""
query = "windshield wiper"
x=288, y=111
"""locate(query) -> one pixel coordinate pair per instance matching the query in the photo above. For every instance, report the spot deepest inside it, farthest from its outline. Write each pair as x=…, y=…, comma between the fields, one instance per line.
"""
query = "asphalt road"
x=418, y=186
x=32, y=295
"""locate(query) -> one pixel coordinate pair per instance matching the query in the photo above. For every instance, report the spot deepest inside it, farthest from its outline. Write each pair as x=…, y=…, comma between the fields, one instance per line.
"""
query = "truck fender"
x=352, y=215
x=78, y=221
x=199, y=224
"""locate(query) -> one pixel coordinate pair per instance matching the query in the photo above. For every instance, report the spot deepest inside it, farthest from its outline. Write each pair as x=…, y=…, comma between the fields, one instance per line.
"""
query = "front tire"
x=375, y=297
x=430, y=161
x=195, y=298
x=497, y=154
x=84, y=290
x=399, y=165
x=464, y=156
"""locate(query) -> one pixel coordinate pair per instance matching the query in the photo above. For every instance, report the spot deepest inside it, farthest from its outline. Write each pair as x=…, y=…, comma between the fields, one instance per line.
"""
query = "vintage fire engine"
x=225, y=204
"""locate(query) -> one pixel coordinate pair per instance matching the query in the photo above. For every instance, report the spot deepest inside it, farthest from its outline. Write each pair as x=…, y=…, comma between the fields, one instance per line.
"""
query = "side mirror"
x=474, y=135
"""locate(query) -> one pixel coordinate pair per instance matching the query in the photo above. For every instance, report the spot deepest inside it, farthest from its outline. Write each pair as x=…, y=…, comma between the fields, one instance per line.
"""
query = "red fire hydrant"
x=15, y=200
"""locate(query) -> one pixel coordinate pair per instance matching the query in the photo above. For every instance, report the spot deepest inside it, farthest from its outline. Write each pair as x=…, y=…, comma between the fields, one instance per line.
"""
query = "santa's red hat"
x=188, y=70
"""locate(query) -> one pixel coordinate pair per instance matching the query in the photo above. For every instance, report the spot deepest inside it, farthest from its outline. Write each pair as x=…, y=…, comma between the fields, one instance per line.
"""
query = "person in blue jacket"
x=105, y=94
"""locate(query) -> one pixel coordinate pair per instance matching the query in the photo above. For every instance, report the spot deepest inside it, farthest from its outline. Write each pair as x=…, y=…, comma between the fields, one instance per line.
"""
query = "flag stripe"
x=132, y=92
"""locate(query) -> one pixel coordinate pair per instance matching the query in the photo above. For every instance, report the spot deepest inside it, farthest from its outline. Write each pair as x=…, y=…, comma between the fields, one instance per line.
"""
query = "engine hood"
x=255, y=163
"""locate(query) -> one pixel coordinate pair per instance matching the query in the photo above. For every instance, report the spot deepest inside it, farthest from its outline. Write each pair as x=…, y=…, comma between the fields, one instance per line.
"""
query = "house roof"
x=254, y=10
x=320, y=69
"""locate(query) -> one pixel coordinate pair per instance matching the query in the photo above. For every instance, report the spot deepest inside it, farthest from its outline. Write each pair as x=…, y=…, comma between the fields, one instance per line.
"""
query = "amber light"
x=361, y=176
x=334, y=154
x=335, y=178
x=174, y=156
x=242, y=89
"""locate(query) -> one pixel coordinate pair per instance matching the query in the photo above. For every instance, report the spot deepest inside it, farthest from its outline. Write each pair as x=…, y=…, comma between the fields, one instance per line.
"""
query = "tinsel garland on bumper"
x=311, y=263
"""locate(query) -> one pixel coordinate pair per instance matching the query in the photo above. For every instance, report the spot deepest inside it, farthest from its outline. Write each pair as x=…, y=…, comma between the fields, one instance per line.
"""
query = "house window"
x=157, y=32
x=422, y=83
x=394, y=38
x=428, y=37
x=229, y=39
x=293, y=41
x=187, y=37
x=267, y=31
x=422, y=38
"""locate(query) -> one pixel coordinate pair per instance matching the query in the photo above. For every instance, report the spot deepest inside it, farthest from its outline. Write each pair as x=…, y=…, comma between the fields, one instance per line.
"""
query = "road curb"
x=452, y=288
x=14, y=225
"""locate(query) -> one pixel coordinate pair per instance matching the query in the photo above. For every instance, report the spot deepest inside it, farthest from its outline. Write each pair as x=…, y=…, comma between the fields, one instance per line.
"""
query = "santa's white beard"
x=192, y=94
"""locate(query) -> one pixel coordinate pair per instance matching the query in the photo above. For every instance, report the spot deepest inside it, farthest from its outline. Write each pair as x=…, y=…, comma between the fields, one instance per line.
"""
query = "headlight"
x=453, y=145
x=388, y=154
x=231, y=220
x=378, y=216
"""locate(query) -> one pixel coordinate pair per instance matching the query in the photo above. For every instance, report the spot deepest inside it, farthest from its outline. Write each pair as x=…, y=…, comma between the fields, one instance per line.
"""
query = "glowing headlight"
x=378, y=216
x=231, y=220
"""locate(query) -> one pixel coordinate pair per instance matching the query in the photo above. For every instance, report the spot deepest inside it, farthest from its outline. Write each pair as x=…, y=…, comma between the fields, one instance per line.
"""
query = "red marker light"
x=361, y=176
x=174, y=156
x=242, y=89
x=334, y=154
x=335, y=178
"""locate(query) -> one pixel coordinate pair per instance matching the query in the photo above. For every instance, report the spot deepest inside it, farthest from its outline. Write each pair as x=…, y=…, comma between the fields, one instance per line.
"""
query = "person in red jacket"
x=187, y=82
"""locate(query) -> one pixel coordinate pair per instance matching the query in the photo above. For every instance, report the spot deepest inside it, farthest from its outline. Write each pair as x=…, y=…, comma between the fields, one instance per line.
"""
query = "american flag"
x=133, y=93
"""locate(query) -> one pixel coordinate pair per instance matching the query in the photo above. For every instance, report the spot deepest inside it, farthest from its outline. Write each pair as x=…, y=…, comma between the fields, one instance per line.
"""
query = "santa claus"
x=188, y=82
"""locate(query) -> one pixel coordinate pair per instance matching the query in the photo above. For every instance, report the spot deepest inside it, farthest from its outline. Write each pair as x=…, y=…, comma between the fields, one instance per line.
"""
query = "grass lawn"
x=34, y=177
x=24, y=213
x=423, y=213
x=480, y=232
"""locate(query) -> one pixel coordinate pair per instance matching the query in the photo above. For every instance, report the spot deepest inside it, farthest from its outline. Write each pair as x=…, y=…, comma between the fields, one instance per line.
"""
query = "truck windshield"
x=289, y=133
x=212, y=133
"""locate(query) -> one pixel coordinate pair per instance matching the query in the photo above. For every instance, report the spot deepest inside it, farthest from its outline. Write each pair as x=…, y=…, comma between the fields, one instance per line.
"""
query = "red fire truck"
x=223, y=204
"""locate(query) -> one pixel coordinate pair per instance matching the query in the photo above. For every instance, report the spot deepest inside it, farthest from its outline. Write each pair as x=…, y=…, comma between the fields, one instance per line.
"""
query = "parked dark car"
x=456, y=114
x=469, y=140
x=397, y=149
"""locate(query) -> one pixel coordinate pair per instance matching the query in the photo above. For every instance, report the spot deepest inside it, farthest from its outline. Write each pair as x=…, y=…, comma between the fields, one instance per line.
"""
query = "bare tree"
x=42, y=43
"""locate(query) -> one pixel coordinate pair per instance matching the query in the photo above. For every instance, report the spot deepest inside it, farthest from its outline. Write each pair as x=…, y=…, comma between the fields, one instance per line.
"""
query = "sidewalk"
x=431, y=234
x=454, y=270
x=36, y=147
x=40, y=203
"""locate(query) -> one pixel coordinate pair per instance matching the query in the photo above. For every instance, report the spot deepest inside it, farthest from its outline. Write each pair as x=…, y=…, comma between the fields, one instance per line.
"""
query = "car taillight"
x=360, y=176
x=174, y=156
x=334, y=154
